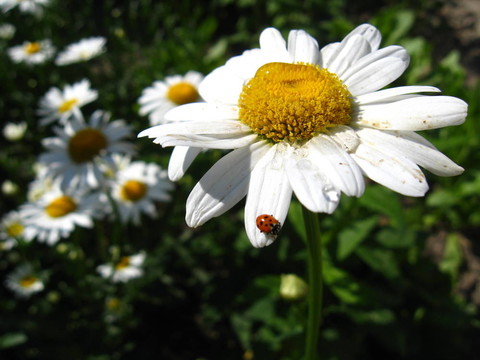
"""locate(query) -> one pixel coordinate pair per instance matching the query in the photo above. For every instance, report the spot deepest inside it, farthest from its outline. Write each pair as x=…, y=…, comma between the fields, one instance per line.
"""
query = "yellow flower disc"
x=14, y=229
x=123, y=263
x=28, y=281
x=133, y=190
x=182, y=93
x=294, y=102
x=67, y=105
x=32, y=48
x=60, y=206
x=86, y=144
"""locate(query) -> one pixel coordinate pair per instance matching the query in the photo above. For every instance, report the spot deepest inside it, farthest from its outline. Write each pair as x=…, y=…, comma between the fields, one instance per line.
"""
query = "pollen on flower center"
x=32, y=48
x=293, y=102
x=60, y=206
x=133, y=190
x=27, y=281
x=15, y=229
x=67, y=105
x=86, y=144
x=182, y=93
x=123, y=263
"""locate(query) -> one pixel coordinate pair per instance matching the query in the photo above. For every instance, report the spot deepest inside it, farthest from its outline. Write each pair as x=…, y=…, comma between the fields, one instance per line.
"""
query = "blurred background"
x=402, y=275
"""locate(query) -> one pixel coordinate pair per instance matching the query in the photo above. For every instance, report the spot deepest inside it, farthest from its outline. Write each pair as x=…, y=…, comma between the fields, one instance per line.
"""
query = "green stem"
x=315, y=283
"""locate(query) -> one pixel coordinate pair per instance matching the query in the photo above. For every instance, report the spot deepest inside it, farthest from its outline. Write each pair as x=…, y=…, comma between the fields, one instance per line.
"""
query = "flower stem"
x=315, y=283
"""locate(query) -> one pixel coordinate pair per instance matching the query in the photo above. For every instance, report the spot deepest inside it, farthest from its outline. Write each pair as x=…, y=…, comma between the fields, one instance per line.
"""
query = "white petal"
x=395, y=172
x=349, y=51
x=310, y=186
x=202, y=111
x=224, y=185
x=327, y=53
x=336, y=164
x=224, y=134
x=376, y=70
x=302, y=47
x=389, y=95
x=412, y=146
x=272, y=41
x=369, y=33
x=180, y=160
x=414, y=114
x=221, y=86
x=345, y=136
x=269, y=192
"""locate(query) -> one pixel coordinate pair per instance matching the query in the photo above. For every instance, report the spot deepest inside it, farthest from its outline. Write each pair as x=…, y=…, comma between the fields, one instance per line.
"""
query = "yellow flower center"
x=123, y=263
x=32, y=48
x=133, y=190
x=182, y=93
x=14, y=229
x=86, y=144
x=60, y=206
x=67, y=105
x=294, y=102
x=28, y=281
x=113, y=304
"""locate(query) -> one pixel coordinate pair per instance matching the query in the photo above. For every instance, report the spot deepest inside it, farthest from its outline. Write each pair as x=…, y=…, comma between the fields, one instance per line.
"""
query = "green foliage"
x=398, y=271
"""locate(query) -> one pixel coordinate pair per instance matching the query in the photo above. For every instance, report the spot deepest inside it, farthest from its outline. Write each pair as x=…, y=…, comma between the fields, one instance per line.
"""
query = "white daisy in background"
x=14, y=132
x=32, y=53
x=28, y=6
x=137, y=187
x=43, y=182
x=56, y=214
x=127, y=268
x=311, y=122
x=12, y=229
x=82, y=50
x=7, y=31
x=60, y=105
x=163, y=96
x=24, y=281
x=76, y=154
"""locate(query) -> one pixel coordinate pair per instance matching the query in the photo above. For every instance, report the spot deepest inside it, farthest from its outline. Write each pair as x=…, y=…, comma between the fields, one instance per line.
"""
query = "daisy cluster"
x=88, y=174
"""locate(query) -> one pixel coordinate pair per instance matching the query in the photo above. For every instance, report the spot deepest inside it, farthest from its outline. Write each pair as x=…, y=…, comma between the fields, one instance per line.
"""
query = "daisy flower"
x=12, y=228
x=312, y=122
x=163, y=96
x=127, y=268
x=76, y=154
x=7, y=31
x=82, y=50
x=9, y=188
x=43, y=182
x=28, y=6
x=136, y=187
x=60, y=105
x=56, y=214
x=14, y=132
x=32, y=53
x=24, y=281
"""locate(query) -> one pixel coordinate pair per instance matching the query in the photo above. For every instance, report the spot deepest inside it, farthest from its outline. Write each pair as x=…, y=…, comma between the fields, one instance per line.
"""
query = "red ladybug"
x=268, y=224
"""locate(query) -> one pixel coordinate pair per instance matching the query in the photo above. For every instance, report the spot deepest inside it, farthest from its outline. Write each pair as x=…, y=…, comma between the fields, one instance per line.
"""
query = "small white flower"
x=137, y=187
x=312, y=122
x=76, y=154
x=24, y=281
x=163, y=96
x=14, y=132
x=28, y=6
x=60, y=105
x=32, y=53
x=7, y=31
x=12, y=228
x=56, y=214
x=127, y=268
x=82, y=50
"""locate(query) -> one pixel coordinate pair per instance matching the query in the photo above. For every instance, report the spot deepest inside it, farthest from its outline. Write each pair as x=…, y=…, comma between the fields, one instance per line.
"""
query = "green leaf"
x=380, y=260
x=12, y=339
x=349, y=239
x=384, y=201
x=396, y=238
x=452, y=256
